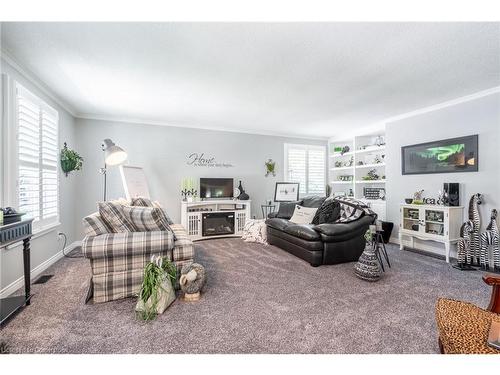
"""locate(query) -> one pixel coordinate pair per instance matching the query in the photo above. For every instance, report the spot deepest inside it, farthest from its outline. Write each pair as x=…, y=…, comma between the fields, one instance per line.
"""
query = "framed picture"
x=444, y=156
x=286, y=192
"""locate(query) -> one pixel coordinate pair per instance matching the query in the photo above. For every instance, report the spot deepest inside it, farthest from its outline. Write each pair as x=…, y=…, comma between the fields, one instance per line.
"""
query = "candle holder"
x=191, y=194
x=184, y=194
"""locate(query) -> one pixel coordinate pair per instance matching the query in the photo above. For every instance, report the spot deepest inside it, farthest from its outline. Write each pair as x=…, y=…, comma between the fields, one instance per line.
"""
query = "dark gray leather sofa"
x=319, y=244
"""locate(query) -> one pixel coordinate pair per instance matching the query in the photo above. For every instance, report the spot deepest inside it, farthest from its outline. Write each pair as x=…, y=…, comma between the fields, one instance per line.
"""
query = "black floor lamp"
x=113, y=155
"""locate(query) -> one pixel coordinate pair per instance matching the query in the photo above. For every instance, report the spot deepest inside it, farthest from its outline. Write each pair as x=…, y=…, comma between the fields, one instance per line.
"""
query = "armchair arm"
x=494, y=281
x=343, y=231
x=126, y=243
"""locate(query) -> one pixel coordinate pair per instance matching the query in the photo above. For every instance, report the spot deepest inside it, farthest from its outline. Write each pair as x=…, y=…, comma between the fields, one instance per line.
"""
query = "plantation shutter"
x=37, y=148
x=316, y=171
x=305, y=164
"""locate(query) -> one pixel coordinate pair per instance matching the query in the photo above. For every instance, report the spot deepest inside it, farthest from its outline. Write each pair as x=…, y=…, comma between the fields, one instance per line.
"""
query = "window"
x=37, y=187
x=306, y=164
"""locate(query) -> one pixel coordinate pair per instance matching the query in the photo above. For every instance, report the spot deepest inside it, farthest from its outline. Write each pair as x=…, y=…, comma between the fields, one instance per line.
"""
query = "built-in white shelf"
x=370, y=181
x=340, y=168
x=362, y=148
x=369, y=150
x=370, y=165
x=339, y=155
x=342, y=182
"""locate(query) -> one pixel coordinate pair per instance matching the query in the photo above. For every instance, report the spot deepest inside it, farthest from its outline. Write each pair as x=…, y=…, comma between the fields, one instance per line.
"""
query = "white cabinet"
x=192, y=216
x=430, y=222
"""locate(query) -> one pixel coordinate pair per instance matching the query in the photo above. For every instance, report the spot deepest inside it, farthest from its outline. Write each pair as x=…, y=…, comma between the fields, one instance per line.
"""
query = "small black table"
x=379, y=247
x=267, y=209
x=9, y=234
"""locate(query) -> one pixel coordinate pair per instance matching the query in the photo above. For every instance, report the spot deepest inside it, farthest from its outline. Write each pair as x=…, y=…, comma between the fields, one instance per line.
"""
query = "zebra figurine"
x=490, y=237
x=463, y=245
x=475, y=245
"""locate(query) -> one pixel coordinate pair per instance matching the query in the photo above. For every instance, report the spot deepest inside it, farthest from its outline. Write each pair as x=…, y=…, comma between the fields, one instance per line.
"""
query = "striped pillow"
x=94, y=225
x=146, y=202
x=146, y=219
x=112, y=214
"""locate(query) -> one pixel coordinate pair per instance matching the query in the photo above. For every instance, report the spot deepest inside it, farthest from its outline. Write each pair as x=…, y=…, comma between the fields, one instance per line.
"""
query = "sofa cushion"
x=277, y=223
x=183, y=246
x=303, y=215
x=304, y=231
x=329, y=212
x=146, y=219
x=112, y=213
x=313, y=201
x=146, y=202
x=94, y=225
x=286, y=209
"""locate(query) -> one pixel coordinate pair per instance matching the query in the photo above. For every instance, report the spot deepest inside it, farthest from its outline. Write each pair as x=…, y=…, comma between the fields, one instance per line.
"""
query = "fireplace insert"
x=217, y=223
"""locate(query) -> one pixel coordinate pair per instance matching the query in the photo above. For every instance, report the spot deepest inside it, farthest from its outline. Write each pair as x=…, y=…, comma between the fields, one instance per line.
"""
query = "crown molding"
x=138, y=121
x=448, y=103
x=380, y=125
x=32, y=78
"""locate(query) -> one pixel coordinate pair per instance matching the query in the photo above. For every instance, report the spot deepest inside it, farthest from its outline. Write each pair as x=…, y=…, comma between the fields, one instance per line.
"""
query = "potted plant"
x=70, y=160
x=157, y=291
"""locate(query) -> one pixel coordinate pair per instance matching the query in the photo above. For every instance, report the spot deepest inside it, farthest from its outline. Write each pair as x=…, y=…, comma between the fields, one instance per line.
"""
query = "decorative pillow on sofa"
x=255, y=231
x=94, y=225
x=303, y=215
x=146, y=219
x=146, y=202
x=329, y=212
x=112, y=214
x=286, y=209
x=313, y=201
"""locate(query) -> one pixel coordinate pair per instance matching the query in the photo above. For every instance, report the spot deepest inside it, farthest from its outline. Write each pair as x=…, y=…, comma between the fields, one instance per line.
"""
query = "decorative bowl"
x=408, y=200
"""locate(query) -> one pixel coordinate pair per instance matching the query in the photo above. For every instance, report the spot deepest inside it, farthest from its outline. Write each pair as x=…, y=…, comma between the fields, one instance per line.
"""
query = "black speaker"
x=452, y=190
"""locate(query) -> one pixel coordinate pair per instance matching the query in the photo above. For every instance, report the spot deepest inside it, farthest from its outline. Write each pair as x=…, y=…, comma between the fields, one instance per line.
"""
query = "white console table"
x=431, y=223
x=192, y=216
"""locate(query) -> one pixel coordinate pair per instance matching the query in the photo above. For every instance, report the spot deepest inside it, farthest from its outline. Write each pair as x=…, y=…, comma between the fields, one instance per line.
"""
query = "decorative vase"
x=367, y=267
x=243, y=196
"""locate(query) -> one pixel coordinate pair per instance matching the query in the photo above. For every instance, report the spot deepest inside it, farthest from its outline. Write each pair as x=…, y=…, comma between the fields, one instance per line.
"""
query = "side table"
x=379, y=247
x=9, y=234
x=267, y=209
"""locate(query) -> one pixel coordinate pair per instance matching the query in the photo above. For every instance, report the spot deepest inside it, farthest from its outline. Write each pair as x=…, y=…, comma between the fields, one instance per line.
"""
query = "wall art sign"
x=286, y=192
x=201, y=160
x=444, y=156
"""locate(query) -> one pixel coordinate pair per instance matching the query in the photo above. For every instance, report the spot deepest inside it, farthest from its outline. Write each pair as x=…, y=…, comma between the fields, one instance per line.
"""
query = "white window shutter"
x=305, y=164
x=37, y=149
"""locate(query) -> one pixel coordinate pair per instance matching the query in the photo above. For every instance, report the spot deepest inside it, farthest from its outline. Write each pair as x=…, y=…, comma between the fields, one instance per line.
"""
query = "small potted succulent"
x=70, y=160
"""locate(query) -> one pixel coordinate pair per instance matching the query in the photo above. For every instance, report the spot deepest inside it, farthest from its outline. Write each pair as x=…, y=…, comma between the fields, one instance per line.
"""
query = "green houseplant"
x=70, y=160
x=157, y=291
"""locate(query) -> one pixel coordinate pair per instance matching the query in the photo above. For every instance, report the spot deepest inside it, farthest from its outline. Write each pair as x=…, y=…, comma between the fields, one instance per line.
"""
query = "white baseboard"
x=35, y=272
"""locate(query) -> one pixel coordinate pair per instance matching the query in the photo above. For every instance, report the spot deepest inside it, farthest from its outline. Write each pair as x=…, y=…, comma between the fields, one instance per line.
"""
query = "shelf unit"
x=431, y=223
x=362, y=149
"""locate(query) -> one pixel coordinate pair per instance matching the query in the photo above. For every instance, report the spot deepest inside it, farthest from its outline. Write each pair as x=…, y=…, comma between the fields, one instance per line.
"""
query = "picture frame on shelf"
x=286, y=191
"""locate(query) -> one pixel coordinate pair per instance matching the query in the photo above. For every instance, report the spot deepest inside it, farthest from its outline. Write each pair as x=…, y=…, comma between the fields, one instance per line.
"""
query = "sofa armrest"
x=126, y=243
x=343, y=231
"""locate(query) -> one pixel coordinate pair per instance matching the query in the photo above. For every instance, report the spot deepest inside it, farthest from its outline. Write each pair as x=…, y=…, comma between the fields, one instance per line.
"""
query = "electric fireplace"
x=217, y=223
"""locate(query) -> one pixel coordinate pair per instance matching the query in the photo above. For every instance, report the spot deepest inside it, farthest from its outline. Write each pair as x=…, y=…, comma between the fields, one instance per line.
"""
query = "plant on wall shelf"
x=270, y=167
x=70, y=160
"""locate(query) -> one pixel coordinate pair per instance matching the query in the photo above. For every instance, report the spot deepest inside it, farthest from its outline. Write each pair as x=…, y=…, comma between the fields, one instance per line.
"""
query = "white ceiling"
x=297, y=79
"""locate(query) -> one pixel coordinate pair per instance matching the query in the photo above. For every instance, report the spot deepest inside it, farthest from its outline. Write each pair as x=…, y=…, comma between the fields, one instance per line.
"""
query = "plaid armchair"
x=117, y=260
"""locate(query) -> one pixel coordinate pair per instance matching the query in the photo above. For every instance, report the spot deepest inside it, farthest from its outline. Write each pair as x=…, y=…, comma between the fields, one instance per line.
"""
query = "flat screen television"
x=211, y=188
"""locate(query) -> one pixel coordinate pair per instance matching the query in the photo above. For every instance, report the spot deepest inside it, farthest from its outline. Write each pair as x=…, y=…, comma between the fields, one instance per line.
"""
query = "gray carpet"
x=257, y=300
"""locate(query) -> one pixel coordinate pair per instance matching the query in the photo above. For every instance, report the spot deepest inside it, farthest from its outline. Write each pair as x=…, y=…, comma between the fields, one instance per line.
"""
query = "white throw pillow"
x=303, y=215
x=255, y=231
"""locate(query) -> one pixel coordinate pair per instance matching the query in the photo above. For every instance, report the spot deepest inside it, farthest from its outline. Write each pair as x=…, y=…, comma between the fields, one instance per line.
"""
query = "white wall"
x=47, y=245
x=163, y=150
x=479, y=116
